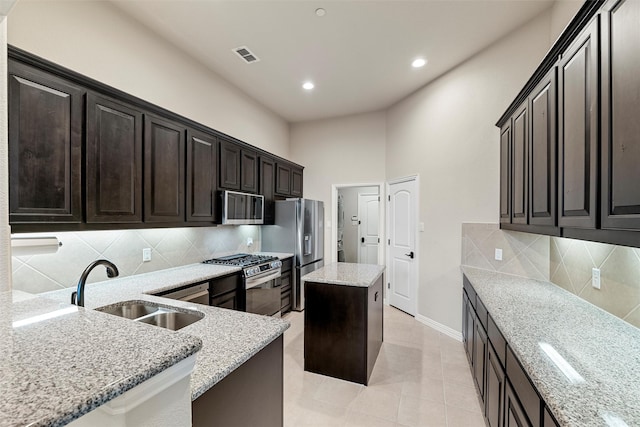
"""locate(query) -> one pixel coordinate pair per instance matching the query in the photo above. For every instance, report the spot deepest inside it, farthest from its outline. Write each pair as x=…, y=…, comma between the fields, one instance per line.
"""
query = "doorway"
x=358, y=217
x=402, y=263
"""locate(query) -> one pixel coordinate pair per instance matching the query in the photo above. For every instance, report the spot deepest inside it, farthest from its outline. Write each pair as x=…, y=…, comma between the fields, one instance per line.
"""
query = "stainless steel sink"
x=153, y=314
x=130, y=311
x=172, y=320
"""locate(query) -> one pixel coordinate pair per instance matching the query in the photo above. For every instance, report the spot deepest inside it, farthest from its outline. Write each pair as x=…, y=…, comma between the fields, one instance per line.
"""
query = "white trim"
x=381, y=220
x=439, y=327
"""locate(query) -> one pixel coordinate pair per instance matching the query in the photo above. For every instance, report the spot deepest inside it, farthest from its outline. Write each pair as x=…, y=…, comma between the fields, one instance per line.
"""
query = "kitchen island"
x=227, y=340
x=343, y=320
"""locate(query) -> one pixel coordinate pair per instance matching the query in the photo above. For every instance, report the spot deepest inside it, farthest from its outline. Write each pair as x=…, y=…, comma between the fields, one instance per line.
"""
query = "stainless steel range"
x=260, y=274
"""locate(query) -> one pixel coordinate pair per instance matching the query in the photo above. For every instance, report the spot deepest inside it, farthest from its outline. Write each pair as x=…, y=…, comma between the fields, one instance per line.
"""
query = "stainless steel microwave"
x=242, y=208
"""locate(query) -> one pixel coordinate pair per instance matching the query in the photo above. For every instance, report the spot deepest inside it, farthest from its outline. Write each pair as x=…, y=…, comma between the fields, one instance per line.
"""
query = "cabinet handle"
x=375, y=296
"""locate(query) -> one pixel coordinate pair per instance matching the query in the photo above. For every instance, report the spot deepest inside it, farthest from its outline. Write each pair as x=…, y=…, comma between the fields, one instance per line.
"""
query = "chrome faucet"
x=77, y=297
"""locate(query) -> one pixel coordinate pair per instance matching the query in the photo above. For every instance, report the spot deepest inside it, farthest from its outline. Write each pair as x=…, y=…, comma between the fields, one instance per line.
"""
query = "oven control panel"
x=257, y=269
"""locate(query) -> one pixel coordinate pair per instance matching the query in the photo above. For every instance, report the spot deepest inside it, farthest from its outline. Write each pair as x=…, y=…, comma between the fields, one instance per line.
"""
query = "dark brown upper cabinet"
x=296, y=182
x=283, y=179
x=620, y=119
x=505, y=173
x=519, y=182
x=267, y=187
x=45, y=147
x=230, y=155
x=578, y=131
x=164, y=155
x=249, y=171
x=113, y=161
x=201, y=177
x=542, y=152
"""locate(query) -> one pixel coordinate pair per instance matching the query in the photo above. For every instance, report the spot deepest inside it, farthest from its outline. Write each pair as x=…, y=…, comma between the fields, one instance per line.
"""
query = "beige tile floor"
x=421, y=378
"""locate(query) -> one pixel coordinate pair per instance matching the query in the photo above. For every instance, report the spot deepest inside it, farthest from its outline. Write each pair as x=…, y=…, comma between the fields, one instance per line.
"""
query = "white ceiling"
x=358, y=54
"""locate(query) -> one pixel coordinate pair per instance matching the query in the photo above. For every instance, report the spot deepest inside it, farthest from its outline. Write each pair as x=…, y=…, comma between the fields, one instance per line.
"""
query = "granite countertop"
x=603, y=350
x=229, y=337
x=59, y=362
x=346, y=274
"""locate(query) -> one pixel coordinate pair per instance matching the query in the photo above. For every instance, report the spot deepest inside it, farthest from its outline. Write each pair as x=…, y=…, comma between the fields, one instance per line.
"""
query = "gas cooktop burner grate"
x=241, y=260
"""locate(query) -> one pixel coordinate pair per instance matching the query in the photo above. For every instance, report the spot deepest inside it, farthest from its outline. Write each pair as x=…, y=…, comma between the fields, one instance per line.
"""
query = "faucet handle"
x=74, y=296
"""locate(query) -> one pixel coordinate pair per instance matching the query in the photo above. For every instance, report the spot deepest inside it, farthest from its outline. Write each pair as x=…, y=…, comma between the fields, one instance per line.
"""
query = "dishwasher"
x=197, y=293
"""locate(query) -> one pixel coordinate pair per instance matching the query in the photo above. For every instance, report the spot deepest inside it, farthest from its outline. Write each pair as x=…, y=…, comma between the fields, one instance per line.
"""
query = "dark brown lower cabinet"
x=506, y=394
x=494, y=389
x=514, y=415
x=252, y=395
x=342, y=330
x=228, y=300
x=225, y=291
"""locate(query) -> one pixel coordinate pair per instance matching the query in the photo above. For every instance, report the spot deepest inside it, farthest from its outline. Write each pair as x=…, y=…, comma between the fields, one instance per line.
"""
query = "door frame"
x=387, y=286
x=381, y=218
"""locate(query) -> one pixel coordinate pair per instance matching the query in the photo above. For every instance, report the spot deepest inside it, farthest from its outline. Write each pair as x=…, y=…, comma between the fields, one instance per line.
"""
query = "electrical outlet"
x=146, y=255
x=249, y=241
x=498, y=255
x=595, y=278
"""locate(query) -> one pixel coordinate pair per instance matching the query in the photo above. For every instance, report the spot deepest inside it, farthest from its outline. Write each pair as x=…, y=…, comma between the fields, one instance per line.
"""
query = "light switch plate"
x=498, y=255
x=146, y=254
x=595, y=278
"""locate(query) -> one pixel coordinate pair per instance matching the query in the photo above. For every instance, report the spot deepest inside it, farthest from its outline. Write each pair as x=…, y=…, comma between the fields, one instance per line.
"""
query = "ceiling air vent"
x=246, y=55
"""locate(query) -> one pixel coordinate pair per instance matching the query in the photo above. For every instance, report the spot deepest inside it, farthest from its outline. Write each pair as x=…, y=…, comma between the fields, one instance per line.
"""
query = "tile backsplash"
x=571, y=264
x=567, y=263
x=171, y=247
x=523, y=254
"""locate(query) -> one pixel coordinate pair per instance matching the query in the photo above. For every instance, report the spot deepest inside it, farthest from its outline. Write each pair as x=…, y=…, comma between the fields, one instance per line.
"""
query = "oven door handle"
x=194, y=296
x=252, y=282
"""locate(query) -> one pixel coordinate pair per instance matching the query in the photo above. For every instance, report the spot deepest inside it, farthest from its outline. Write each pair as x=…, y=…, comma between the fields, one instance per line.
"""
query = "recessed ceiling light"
x=419, y=62
x=308, y=85
x=320, y=12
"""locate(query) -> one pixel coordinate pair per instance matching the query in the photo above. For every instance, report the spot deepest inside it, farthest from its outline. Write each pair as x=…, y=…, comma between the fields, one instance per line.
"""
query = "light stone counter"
x=346, y=274
x=59, y=362
x=229, y=337
x=603, y=350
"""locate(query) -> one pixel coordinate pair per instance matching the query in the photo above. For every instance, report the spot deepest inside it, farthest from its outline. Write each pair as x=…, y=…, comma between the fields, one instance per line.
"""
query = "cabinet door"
x=267, y=188
x=578, y=131
x=505, y=173
x=164, y=151
x=514, y=416
x=494, y=390
x=114, y=162
x=229, y=165
x=228, y=300
x=620, y=119
x=201, y=176
x=249, y=170
x=519, y=180
x=479, y=356
x=542, y=152
x=470, y=328
x=45, y=143
x=283, y=180
x=296, y=182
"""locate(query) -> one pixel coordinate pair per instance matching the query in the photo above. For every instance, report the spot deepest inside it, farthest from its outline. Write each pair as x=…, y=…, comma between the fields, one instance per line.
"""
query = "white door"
x=403, y=260
x=368, y=237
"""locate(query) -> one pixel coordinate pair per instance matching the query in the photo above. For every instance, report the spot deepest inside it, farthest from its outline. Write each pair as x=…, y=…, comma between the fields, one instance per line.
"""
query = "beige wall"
x=95, y=39
x=346, y=150
x=446, y=134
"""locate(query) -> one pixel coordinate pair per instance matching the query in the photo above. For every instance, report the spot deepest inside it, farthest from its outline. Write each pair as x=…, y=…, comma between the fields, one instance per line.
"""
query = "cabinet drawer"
x=523, y=388
x=287, y=265
x=471, y=293
x=497, y=341
x=222, y=285
x=482, y=312
x=285, y=301
x=228, y=300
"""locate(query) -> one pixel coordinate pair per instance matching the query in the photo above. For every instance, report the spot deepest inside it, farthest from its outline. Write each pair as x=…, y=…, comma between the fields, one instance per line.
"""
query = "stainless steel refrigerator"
x=298, y=229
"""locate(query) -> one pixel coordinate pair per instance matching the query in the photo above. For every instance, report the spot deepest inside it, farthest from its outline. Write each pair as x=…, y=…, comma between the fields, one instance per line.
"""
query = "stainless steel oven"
x=260, y=275
x=263, y=293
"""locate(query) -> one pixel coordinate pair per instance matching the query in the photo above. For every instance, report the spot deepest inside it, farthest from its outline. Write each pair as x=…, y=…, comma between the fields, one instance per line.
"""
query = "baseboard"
x=439, y=327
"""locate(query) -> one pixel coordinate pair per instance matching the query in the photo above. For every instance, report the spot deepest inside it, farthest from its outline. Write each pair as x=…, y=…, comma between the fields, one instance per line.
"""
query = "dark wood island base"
x=343, y=327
